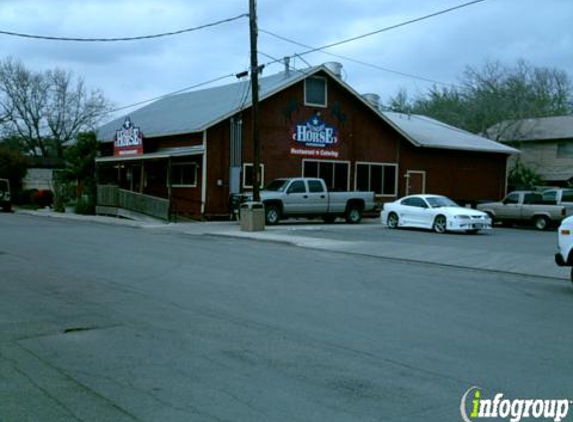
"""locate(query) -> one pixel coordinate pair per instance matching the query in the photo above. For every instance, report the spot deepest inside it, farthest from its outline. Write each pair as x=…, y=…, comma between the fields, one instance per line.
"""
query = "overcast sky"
x=538, y=31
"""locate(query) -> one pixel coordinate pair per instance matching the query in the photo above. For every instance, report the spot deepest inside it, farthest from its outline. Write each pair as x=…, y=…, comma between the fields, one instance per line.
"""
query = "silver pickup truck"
x=309, y=197
x=524, y=207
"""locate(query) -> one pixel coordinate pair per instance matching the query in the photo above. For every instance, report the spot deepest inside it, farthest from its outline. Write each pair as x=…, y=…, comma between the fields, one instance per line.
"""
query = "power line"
x=388, y=28
x=312, y=50
x=399, y=25
x=140, y=37
x=384, y=69
x=179, y=91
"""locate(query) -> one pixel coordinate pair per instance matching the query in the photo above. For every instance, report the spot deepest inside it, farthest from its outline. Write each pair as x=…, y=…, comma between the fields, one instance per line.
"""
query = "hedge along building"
x=196, y=149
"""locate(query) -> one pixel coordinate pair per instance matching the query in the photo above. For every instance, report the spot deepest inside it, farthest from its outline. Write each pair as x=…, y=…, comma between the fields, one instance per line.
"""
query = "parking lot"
x=518, y=250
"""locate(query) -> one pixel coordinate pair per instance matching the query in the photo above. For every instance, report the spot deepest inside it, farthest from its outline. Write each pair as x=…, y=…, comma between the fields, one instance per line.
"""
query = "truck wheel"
x=541, y=222
x=354, y=214
x=440, y=224
x=272, y=214
x=392, y=221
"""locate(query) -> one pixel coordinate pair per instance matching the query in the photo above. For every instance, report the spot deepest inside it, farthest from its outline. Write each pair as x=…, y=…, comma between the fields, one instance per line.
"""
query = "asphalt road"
x=111, y=323
x=522, y=239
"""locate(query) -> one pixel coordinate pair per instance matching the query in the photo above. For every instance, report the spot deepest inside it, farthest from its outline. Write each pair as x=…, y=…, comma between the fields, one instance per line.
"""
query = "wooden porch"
x=112, y=199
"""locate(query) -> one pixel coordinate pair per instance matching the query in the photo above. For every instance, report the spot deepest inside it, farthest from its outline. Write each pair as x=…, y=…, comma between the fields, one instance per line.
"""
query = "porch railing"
x=112, y=196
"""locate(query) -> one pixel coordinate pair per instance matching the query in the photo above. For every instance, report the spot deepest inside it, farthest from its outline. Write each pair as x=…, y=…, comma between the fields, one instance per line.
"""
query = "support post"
x=255, y=100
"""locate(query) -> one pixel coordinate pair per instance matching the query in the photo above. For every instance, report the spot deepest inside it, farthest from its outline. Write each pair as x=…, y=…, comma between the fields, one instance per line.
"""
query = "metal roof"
x=542, y=129
x=163, y=153
x=427, y=132
x=197, y=110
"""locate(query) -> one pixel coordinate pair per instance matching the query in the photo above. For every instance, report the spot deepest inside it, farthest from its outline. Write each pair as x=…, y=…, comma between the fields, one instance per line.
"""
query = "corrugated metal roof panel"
x=198, y=110
x=430, y=133
x=163, y=153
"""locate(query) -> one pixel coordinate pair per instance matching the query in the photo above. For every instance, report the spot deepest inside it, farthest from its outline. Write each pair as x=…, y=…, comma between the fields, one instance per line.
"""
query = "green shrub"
x=85, y=205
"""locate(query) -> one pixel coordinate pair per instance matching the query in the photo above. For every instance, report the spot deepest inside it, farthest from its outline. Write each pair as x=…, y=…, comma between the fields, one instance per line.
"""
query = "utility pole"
x=255, y=100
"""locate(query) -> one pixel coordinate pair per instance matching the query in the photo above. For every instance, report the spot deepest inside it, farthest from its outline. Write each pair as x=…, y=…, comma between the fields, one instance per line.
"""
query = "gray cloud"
x=438, y=49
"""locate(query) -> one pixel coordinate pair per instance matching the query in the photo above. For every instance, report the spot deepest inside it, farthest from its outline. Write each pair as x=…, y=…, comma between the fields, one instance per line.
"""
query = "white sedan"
x=435, y=212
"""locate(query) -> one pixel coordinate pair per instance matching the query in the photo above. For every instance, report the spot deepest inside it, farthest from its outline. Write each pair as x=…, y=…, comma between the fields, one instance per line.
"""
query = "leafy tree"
x=521, y=176
x=80, y=165
x=494, y=93
x=45, y=110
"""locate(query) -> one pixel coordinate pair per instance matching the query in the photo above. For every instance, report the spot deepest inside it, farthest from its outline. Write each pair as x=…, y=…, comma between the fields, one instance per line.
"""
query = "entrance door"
x=415, y=182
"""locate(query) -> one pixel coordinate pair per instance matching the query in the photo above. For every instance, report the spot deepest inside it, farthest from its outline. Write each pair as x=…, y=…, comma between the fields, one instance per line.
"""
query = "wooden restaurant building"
x=187, y=154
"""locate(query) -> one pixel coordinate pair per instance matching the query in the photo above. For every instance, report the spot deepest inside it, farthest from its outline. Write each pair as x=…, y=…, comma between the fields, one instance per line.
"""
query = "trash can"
x=252, y=216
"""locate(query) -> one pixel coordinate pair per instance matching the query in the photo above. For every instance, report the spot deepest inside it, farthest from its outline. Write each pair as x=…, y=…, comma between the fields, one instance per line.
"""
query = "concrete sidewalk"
x=479, y=259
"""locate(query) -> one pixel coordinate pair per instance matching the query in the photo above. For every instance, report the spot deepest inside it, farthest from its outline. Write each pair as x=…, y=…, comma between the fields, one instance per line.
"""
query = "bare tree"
x=45, y=110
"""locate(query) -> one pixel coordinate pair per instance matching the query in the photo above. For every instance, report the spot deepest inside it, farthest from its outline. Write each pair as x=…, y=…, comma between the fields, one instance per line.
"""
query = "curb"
x=300, y=244
x=271, y=238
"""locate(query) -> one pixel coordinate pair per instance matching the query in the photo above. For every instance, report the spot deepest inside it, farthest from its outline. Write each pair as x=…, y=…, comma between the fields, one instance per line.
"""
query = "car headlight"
x=465, y=217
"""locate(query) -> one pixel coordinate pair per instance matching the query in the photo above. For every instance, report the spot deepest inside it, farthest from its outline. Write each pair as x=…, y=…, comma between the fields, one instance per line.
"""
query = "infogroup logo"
x=513, y=410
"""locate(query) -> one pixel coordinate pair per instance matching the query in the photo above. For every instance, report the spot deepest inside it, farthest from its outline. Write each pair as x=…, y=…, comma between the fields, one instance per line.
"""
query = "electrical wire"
x=318, y=49
x=339, y=56
x=388, y=28
x=179, y=91
x=140, y=37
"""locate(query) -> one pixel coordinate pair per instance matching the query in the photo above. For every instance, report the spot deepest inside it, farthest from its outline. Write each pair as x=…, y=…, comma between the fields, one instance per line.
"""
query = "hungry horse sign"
x=128, y=140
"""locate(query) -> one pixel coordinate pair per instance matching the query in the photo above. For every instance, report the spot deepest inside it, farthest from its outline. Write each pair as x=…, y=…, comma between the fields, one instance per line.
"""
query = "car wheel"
x=572, y=274
x=272, y=214
x=392, y=221
x=541, y=223
x=440, y=224
x=354, y=214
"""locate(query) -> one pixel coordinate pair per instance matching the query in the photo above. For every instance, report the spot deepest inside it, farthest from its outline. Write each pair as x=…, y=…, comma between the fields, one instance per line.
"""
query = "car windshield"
x=277, y=185
x=440, y=201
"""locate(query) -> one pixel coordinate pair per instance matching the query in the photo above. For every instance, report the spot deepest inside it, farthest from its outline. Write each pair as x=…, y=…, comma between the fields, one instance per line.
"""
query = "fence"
x=112, y=196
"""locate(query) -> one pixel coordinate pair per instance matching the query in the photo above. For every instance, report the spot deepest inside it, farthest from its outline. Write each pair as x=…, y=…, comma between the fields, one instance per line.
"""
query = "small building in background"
x=546, y=145
x=41, y=173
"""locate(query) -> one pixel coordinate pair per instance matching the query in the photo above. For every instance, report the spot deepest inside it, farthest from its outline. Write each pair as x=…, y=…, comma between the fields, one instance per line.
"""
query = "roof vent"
x=373, y=99
x=287, y=65
x=335, y=68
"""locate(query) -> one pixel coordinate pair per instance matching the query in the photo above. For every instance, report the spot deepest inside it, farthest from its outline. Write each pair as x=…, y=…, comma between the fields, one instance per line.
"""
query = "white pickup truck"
x=524, y=207
x=309, y=197
x=564, y=255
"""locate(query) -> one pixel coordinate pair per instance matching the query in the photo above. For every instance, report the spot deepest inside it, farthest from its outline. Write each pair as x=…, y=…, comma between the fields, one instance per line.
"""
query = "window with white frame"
x=184, y=175
x=379, y=178
x=315, y=91
x=334, y=173
x=248, y=175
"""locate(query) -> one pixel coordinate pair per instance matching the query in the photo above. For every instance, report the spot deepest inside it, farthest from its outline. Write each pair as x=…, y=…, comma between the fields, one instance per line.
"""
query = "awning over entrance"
x=164, y=153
